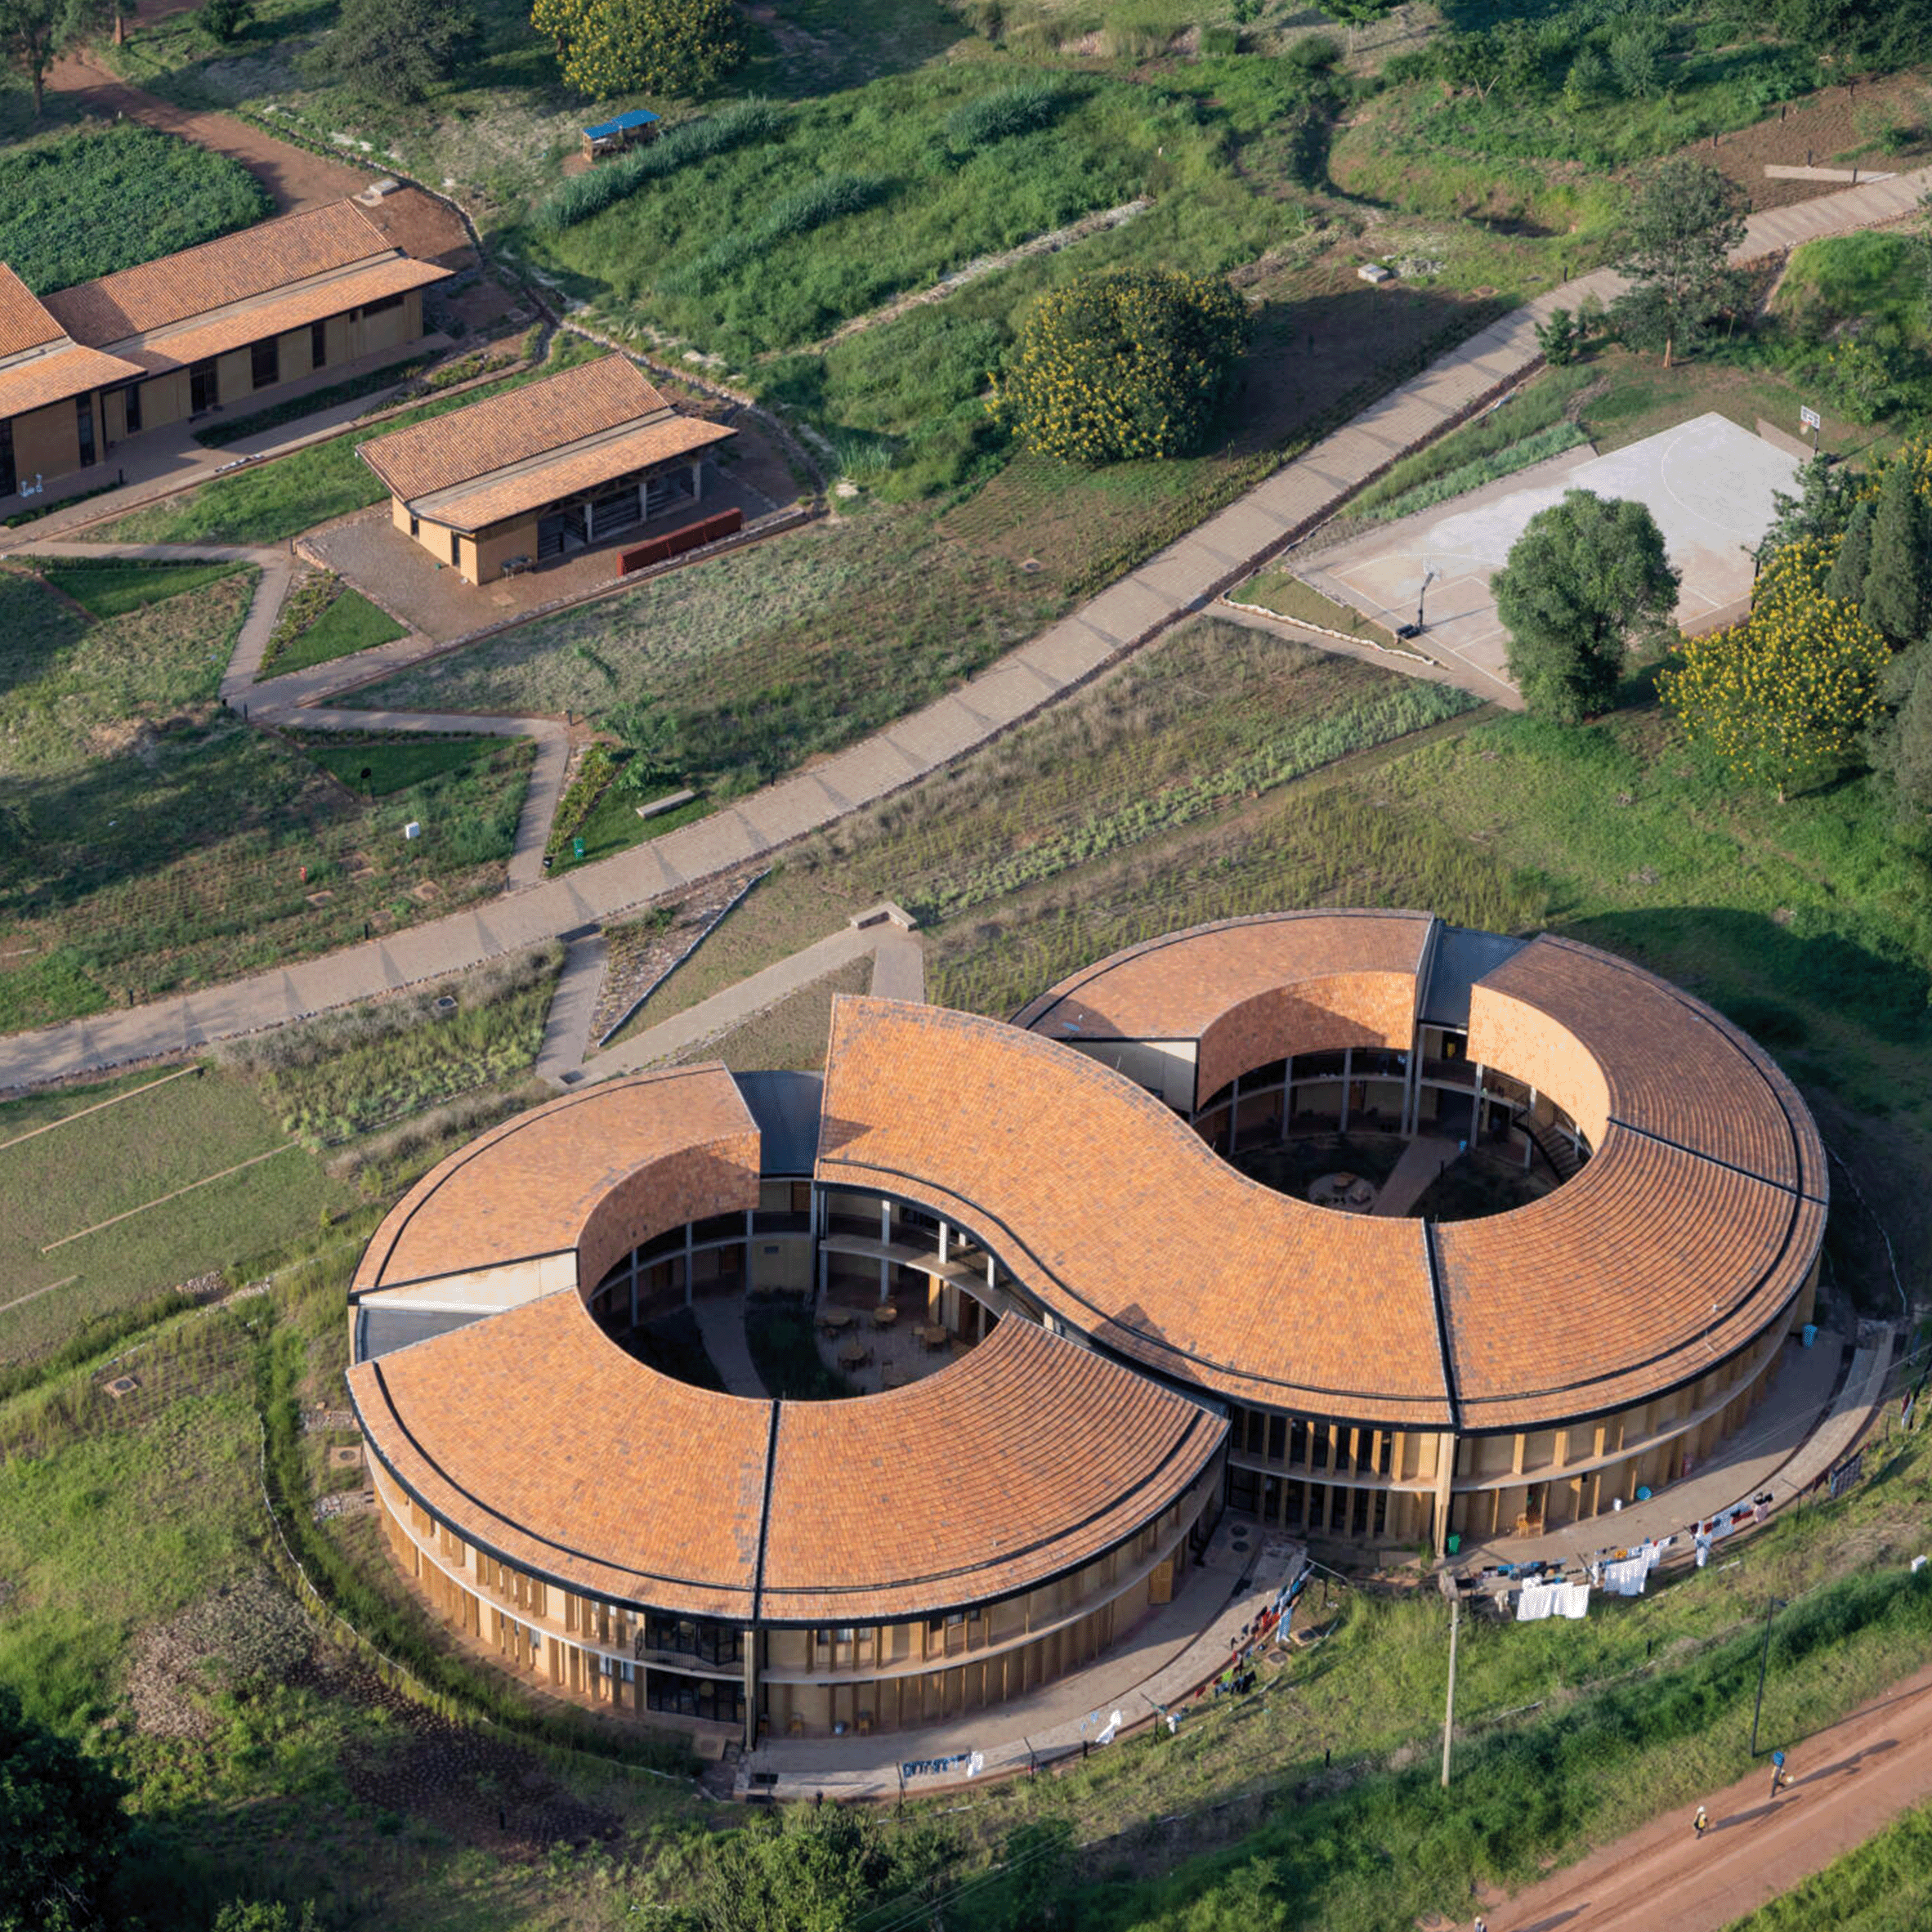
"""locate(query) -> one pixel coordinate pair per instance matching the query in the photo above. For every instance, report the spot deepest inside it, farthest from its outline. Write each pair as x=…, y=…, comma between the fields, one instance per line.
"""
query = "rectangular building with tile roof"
x=545, y=471
x=242, y=317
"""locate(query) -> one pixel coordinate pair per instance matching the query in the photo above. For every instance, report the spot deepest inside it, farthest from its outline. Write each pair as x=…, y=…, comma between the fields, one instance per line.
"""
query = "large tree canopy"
x=34, y=34
x=397, y=50
x=1682, y=225
x=1129, y=363
x=60, y=1827
x=1586, y=576
x=606, y=47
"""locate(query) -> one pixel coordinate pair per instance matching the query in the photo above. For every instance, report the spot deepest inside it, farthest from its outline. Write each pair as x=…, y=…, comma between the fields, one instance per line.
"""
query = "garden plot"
x=1708, y=483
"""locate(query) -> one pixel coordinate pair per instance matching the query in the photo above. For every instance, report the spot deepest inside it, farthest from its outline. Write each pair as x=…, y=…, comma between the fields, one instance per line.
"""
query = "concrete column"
x=749, y=1648
x=944, y=1232
x=746, y=1270
x=1347, y=1078
x=1234, y=1115
x=1445, y=1477
x=697, y=481
x=690, y=1244
x=590, y=521
x=643, y=507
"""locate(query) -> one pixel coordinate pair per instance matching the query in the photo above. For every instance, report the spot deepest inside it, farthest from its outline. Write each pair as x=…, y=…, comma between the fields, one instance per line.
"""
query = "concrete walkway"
x=898, y=972
x=1423, y=1159
x=721, y=1321
x=1183, y=579
x=1158, y=1667
x=566, y=1027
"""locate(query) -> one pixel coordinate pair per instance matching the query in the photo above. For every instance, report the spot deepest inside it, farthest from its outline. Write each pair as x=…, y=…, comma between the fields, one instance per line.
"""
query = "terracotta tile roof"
x=234, y=267
x=615, y=1164
x=1176, y=987
x=570, y=472
x=24, y=323
x=537, y=1437
x=1114, y=1215
x=1649, y=1268
x=512, y=426
x=38, y=380
x=1670, y=1066
x=1065, y=1454
x=177, y=347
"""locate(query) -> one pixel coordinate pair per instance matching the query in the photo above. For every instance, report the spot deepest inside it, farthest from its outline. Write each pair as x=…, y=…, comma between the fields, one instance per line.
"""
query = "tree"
x=225, y=19
x=396, y=49
x=61, y=1826
x=1895, y=579
x=253, y=1914
x=1133, y=363
x=1559, y=338
x=1846, y=580
x=1828, y=495
x=1637, y=57
x=1683, y=226
x=1904, y=752
x=36, y=32
x=650, y=738
x=1782, y=697
x=1586, y=577
x=653, y=47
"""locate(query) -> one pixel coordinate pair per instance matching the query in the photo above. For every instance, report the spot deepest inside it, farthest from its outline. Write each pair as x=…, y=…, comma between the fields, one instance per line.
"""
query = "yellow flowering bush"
x=1782, y=697
x=1130, y=364
x=667, y=47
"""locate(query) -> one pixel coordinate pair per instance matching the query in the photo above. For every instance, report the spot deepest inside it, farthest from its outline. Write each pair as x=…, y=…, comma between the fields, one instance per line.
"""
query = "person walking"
x=1700, y=1823
x=1780, y=1776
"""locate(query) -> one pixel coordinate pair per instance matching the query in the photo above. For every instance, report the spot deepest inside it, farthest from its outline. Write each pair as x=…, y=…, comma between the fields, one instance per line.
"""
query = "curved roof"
x=1692, y=1229
x=536, y=1436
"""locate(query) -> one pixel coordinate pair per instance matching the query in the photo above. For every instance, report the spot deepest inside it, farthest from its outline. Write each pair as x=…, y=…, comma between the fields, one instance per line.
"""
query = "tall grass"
x=824, y=200
x=1465, y=477
x=582, y=196
x=1018, y=109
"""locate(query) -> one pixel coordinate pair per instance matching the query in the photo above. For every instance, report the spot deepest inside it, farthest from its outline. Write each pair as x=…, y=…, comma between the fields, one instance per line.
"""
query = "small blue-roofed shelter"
x=614, y=137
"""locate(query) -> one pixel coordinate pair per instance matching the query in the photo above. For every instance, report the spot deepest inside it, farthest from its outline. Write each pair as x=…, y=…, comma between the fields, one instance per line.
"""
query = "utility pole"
x=1771, y=1610
x=1449, y=1708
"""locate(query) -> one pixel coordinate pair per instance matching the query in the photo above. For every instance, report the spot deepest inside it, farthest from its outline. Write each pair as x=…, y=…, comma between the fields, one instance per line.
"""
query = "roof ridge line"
x=770, y=1474
x=1438, y=1300
x=1750, y=1174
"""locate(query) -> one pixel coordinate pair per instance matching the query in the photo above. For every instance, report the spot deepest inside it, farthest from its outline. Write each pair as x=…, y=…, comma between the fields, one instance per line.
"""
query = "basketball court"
x=1708, y=483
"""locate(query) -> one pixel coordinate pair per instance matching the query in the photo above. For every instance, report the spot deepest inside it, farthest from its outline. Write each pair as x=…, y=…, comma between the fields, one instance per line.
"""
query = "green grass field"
x=349, y=624
x=156, y=840
x=113, y=590
x=122, y=1156
x=393, y=764
x=1885, y=1885
x=73, y=205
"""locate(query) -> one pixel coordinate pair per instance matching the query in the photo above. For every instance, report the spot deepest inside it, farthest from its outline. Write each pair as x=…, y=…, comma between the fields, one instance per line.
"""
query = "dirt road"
x=1849, y=1782
x=295, y=178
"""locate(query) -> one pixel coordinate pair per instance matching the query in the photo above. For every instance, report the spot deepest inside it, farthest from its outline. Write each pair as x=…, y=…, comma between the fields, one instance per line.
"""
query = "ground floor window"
x=664, y=490
x=83, y=418
x=265, y=364
x=203, y=387
x=318, y=345
x=455, y=548
x=9, y=482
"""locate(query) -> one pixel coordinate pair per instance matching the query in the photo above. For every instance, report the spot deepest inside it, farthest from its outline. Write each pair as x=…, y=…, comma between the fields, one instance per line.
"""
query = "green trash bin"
x=1454, y=1542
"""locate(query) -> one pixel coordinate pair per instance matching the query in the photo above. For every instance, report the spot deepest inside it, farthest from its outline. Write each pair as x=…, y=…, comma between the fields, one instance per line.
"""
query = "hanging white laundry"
x=1572, y=1599
x=1625, y=1579
x=1538, y=1600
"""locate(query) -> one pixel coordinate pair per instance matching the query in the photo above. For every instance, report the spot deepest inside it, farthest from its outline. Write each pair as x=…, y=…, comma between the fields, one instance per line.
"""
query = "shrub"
x=1016, y=109
x=395, y=50
x=810, y=207
x=581, y=196
x=224, y=20
x=1129, y=363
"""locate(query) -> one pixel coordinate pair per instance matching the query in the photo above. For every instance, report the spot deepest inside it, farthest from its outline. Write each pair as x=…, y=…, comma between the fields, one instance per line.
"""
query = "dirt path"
x=1851, y=1781
x=295, y=178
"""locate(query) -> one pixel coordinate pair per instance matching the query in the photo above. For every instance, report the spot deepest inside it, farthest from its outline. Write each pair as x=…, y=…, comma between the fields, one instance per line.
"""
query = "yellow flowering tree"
x=1782, y=697
x=1130, y=364
x=607, y=47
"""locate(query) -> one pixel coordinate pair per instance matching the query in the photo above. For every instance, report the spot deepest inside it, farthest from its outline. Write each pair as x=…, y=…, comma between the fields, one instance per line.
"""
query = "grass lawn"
x=113, y=590
x=1885, y=1885
x=392, y=765
x=792, y=1034
x=73, y=205
x=614, y=826
x=348, y=622
x=159, y=842
x=161, y=1139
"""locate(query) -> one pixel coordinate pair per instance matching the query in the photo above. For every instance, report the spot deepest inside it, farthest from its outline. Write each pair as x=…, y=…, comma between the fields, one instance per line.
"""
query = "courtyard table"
x=854, y=1354
x=884, y=1315
x=837, y=1321
x=934, y=1335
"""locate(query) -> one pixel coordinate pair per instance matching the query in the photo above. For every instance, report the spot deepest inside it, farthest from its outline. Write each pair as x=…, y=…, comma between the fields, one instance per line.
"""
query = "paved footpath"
x=1850, y=1781
x=1182, y=578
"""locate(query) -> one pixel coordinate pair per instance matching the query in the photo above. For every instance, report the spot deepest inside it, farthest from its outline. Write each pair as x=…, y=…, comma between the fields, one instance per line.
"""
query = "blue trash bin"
x=1810, y=1333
